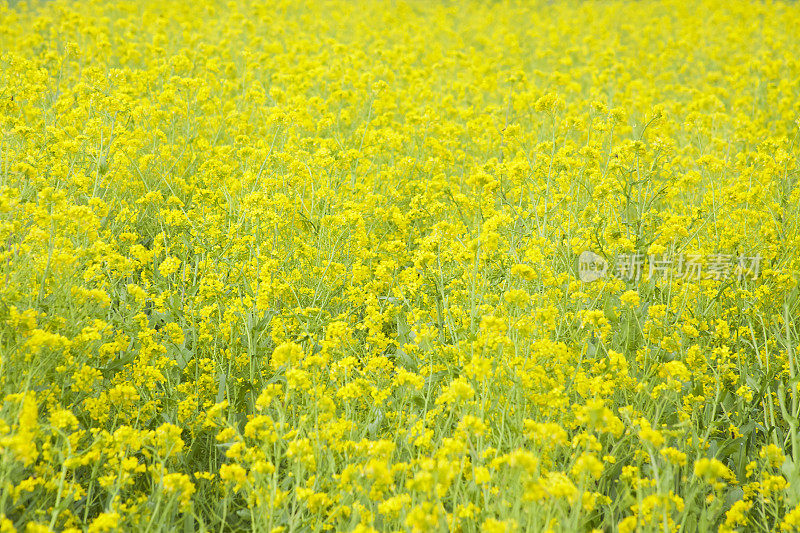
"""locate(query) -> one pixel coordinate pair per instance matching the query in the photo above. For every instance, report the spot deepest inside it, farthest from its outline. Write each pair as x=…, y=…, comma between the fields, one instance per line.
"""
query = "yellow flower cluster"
x=319, y=266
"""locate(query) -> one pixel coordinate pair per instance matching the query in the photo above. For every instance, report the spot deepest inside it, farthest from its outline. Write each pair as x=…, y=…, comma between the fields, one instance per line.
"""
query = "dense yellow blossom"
x=399, y=265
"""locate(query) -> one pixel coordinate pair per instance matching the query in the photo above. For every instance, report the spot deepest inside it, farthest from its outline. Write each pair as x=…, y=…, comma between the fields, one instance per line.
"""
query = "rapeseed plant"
x=316, y=267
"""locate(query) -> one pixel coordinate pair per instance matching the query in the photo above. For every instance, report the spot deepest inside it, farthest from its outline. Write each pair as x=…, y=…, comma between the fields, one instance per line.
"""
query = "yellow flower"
x=457, y=391
x=181, y=485
x=423, y=517
x=492, y=525
x=6, y=525
x=674, y=456
x=791, y=521
x=169, y=266
x=737, y=514
x=627, y=525
x=587, y=464
x=649, y=435
x=105, y=522
x=517, y=297
x=168, y=440
x=267, y=395
x=630, y=298
x=713, y=471
x=773, y=454
x=233, y=474
x=287, y=353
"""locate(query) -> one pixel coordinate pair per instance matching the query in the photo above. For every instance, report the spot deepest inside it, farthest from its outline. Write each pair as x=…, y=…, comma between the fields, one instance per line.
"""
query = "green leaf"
x=223, y=385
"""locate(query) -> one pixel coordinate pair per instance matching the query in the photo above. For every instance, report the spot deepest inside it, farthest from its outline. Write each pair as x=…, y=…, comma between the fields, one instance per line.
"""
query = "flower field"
x=399, y=266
